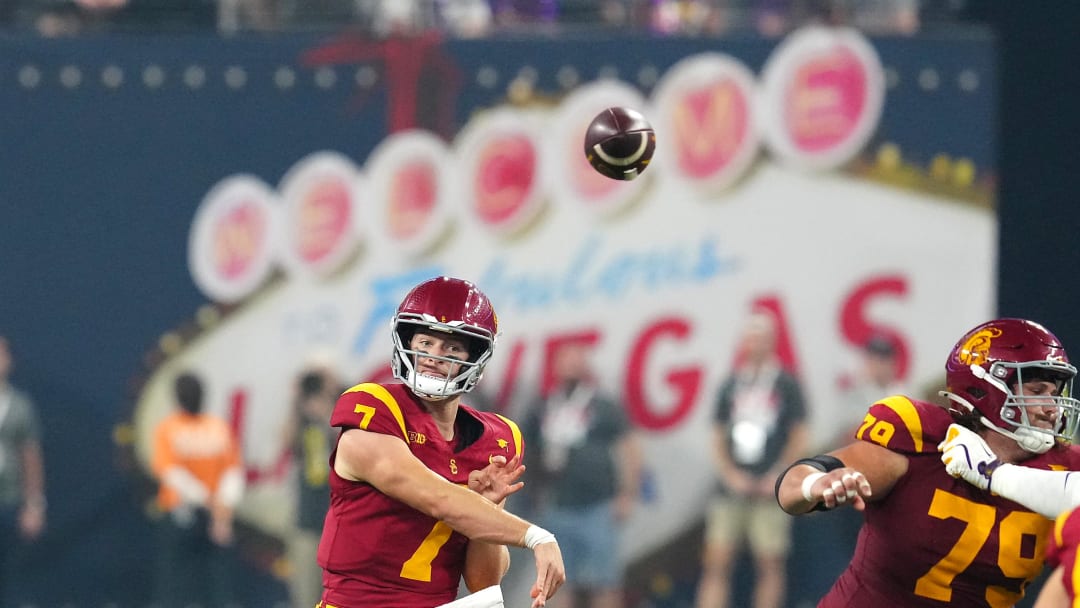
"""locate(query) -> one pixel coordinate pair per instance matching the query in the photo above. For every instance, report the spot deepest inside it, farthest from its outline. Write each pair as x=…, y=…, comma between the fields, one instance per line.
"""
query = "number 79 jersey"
x=938, y=541
x=378, y=551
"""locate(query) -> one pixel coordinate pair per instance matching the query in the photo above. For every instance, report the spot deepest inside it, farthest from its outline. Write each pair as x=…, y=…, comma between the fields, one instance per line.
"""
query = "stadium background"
x=98, y=198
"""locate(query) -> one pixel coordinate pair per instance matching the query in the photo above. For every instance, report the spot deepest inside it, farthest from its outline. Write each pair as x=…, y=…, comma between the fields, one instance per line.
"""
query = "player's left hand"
x=967, y=456
x=498, y=479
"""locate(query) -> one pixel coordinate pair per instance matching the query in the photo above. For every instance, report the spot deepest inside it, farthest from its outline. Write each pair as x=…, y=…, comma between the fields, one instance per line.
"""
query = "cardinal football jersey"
x=1063, y=549
x=934, y=540
x=377, y=551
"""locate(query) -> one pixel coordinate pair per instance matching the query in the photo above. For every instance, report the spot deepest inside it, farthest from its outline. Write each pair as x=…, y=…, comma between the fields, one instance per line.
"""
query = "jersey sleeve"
x=162, y=457
x=370, y=407
x=1066, y=534
x=516, y=441
x=903, y=425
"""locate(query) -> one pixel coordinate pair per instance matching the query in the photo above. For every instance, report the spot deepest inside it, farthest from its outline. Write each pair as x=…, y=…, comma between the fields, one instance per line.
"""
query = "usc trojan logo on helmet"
x=977, y=346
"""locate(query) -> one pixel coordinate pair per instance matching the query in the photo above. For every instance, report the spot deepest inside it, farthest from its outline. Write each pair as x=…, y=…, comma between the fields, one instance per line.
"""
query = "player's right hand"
x=550, y=572
x=838, y=487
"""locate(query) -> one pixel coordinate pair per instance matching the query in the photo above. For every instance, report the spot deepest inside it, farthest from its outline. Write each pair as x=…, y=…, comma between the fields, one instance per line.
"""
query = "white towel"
x=490, y=597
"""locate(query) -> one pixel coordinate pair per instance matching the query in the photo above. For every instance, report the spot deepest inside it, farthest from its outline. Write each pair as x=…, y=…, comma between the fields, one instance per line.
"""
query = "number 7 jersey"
x=938, y=541
x=377, y=551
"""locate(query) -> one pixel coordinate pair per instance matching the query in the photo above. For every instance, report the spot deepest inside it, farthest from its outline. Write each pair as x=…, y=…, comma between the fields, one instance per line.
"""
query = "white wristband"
x=536, y=535
x=807, y=482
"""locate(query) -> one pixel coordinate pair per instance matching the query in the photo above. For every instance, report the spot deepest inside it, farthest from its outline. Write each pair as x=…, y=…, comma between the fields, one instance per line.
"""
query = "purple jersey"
x=377, y=551
x=938, y=541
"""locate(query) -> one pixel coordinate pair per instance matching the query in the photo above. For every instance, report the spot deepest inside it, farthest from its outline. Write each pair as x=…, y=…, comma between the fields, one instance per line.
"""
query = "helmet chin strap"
x=1028, y=439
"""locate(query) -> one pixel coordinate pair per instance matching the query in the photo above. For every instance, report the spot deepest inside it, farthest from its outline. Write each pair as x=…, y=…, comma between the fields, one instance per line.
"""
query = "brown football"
x=619, y=143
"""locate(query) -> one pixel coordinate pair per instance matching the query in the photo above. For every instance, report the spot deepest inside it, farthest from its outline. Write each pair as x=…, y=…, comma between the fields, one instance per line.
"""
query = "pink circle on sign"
x=711, y=127
x=232, y=239
x=826, y=97
x=505, y=172
x=319, y=197
x=568, y=177
x=324, y=219
x=822, y=94
x=705, y=105
x=413, y=191
x=237, y=239
x=498, y=169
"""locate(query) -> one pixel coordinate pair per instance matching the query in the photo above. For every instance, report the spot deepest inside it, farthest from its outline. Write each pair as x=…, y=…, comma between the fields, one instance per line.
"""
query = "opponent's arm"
x=967, y=456
x=851, y=474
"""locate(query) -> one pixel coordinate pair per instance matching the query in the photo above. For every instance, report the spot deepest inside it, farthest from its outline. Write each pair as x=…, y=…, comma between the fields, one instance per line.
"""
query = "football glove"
x=967, y=456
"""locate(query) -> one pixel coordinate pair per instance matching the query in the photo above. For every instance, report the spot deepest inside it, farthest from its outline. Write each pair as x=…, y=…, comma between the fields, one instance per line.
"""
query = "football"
x=619, y=143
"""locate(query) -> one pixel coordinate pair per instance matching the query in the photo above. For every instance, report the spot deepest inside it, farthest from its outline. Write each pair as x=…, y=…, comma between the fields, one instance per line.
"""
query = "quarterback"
x=417, y=478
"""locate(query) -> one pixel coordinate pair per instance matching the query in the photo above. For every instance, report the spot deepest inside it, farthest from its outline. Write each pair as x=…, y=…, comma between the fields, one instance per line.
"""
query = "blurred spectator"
x=687, y=17
x=886, y=16
x=386, y=18
x=22, y=469
x=874, y=379
x=197, y=463
x=587, y=461
x=466, y=18
x=317, y=14
x=61, y=18
x=242, y=15
x=312, y=438
x=760, y=426
x=510, y=13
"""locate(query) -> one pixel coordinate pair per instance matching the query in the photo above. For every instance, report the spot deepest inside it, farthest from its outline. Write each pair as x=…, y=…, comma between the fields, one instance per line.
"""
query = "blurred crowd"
x=477, y=18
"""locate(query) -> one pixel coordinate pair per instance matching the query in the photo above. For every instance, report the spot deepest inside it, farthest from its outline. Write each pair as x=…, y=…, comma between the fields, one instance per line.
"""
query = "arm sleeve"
x=905, y=426
x=231, y=487
x=190, y=489
x=1048, y=493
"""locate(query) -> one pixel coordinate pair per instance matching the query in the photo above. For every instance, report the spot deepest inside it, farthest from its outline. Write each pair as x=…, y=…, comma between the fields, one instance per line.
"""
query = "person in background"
x=198, y=466
x=931, y=534
x=418, y=479
x=589, y=461
x=876, y=377
x=22, y=468
x=311, y=437
x=759, y=426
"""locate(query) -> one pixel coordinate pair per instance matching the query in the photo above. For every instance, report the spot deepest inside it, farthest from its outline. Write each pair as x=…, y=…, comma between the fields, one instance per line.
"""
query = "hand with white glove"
x=967, y=456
